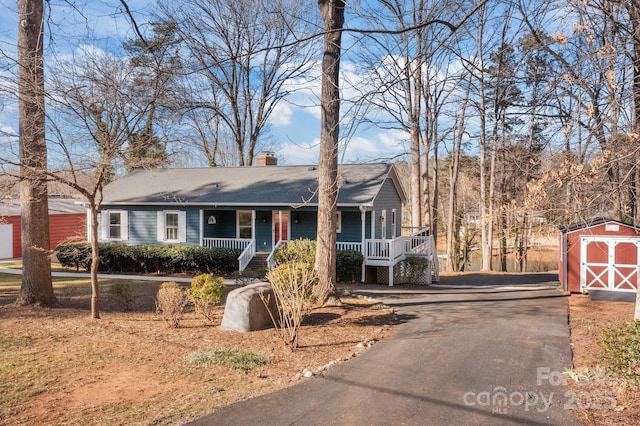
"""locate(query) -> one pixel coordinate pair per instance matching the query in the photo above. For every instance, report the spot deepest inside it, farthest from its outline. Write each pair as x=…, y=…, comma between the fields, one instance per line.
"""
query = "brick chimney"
x=266, y=159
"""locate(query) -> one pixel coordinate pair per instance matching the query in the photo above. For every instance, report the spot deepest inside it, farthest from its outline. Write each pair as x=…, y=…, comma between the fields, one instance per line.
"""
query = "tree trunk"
x=95, y=261
x=37, y=287
x=333, y=16
x=634, y=15
x=453, y=233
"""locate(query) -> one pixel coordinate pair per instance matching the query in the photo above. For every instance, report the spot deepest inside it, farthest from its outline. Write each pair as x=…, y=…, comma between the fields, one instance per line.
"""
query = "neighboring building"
x=67, y=222
x=257, y=208
x=600, y=258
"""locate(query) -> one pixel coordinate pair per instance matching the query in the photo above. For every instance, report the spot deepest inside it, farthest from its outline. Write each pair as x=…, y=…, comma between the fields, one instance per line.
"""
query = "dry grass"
x=58, y=366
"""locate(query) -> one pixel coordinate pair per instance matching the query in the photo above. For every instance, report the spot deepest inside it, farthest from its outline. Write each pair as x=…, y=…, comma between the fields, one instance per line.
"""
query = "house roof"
x=269, y=186
x=592, y=222
x=11, y=206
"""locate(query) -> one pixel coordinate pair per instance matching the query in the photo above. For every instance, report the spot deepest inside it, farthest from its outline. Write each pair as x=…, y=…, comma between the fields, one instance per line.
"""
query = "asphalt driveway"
x=488, y=353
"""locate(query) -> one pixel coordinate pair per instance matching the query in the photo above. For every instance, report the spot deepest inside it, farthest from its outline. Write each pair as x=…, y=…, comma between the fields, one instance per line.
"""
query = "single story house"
x=67, y=222
x=255, y=209
x=600, y=257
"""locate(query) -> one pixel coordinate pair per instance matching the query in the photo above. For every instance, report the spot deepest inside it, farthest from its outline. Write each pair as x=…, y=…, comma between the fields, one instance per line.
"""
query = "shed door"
x=609, y=263
x=6, y=241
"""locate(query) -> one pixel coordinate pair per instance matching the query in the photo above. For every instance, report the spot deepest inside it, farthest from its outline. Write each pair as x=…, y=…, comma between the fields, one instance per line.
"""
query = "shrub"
x=76, y=255
x=122, y=293
x=293, y=287
x=231, y=358
x=621, y=350
x=117, y=257
x=301, y=250
x=415, y=268
x=348, y=265
x=205, y=293
x=170, y=303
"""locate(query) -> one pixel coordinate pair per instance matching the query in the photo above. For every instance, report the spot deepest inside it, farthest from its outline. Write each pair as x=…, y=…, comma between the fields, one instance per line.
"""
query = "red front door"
x=280, y=226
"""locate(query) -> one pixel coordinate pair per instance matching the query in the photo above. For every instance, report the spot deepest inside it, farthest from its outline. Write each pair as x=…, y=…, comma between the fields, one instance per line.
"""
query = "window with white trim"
x=114, y=225
x=338, y=222
x=245, y=224
x=172, y=226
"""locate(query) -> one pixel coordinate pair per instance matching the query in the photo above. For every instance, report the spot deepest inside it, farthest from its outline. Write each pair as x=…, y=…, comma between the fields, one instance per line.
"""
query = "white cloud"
x=291, y=153
x=281, y=115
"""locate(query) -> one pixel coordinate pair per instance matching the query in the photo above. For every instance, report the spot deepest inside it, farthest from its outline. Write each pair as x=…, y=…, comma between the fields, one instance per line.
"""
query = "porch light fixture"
x=212, y=220
x=297, y=219
x=264, y=219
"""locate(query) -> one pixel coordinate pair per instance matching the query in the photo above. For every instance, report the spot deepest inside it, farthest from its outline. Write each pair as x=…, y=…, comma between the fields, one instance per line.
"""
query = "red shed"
x=67, y=222
x=601, y=256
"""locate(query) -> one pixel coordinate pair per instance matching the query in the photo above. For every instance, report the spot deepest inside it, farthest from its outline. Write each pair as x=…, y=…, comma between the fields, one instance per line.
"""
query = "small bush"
x=122, y=293
x=205, y=293
x=348, y=265
x=230, y=358
x=415, y=268
x=621, y=350
x=293, y=287
x=74, y=255
x=170, y=303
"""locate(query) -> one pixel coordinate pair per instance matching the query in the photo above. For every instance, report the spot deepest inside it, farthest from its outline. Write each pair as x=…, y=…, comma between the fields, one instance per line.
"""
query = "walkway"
x=489, y=354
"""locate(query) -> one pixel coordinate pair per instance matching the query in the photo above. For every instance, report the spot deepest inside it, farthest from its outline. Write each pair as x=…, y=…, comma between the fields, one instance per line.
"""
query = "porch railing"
x=390, y=250
x=227, y=243
x=247, y=254
x=349, y=246
x=247, y=245
x=271, y=260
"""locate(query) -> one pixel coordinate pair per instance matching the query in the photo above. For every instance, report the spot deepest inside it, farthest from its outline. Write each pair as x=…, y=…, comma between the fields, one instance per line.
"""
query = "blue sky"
x=294, y=127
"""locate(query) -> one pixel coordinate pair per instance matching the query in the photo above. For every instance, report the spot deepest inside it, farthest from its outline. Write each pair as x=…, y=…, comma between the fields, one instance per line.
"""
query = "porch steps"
x=257, y=268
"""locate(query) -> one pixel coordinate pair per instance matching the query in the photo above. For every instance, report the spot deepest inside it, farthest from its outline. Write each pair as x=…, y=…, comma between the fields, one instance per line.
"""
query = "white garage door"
x=6, y=241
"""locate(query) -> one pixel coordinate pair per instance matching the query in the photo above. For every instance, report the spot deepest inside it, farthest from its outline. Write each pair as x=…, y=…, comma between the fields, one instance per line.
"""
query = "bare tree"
x=36, y=287
x=95, y=110
x=244, y=57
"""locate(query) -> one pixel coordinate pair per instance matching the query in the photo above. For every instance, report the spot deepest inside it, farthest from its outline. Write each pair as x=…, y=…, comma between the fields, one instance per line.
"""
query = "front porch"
x=376, y=252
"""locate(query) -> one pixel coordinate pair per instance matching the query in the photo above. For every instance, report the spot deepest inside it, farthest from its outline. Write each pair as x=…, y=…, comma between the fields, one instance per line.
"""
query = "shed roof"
x=244, y=186
x=591, y=223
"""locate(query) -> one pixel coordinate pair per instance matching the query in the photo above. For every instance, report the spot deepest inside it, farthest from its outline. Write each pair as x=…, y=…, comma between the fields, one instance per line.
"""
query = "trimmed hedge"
x=163, y=259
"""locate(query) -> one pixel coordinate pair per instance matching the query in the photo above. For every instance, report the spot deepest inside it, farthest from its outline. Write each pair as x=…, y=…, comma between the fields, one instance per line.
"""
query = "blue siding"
x=307, y=226
x=351, y=227
x=388, y=199
x=142, y=227
x=225, y=226
x=263, y=230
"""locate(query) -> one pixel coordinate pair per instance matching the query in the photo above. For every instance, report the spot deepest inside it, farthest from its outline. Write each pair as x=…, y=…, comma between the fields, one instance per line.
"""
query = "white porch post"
x=201, y=227
x=390, y=273
x=363, y=220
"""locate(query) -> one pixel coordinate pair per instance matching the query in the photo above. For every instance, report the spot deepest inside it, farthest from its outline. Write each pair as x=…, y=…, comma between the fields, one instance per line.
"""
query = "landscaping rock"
x=245, y=310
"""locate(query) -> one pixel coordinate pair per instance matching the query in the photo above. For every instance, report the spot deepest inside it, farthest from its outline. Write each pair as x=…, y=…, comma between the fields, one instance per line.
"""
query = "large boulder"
x=244, y=309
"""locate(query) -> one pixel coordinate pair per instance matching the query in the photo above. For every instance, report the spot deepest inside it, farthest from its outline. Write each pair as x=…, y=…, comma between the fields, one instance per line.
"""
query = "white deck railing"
x=271, y=259
x=349, y=246
x=377, y=252
x=247, y=254
x=247, y=245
